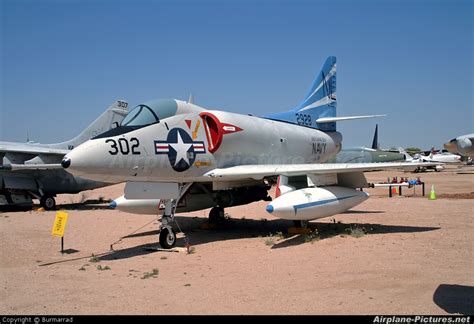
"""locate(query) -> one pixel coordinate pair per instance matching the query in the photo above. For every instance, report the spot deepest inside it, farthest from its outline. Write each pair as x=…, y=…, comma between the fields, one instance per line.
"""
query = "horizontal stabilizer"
x=336, y=119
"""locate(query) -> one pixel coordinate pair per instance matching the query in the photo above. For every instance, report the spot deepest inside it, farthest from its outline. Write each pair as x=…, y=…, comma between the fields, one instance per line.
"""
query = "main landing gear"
x=48, y=202
x=301, y=223
x=216, y=215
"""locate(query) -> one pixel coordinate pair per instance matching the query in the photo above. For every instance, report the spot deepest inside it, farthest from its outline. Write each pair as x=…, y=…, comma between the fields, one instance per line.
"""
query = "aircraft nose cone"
x=65, y=163
x=91, y=160
x=113, y=204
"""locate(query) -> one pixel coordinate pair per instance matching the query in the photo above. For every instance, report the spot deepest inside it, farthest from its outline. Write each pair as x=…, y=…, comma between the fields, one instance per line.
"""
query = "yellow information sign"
x=59, y=224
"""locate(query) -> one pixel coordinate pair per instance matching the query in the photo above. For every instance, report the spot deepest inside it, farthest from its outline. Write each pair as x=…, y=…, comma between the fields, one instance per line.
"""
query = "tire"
x=301, y=223
x=216, y=214
x=167, y=238
x=48, y=202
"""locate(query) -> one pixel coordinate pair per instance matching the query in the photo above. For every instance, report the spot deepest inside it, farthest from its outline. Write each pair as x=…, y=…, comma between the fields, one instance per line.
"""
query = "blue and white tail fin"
x=318, y=109
x=320, y=102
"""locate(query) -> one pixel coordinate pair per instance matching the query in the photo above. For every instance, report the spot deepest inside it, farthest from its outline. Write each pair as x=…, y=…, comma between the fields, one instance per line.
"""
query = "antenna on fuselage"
x=191, y=99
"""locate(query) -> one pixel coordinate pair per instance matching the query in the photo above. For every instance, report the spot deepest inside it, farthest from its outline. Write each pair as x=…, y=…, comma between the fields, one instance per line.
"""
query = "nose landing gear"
x=167, y=238
x=167, y=234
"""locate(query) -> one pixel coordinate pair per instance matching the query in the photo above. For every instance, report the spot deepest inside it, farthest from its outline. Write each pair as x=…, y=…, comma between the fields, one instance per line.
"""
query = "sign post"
x=59, y=227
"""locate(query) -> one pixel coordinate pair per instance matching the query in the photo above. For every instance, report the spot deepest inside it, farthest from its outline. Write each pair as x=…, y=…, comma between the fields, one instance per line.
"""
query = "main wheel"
x=216, y=214
x=301, y=223
x=167, y=238
x=48, y=202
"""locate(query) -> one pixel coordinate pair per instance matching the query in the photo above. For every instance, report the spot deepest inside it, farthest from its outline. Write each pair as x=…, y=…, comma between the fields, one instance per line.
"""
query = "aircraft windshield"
x=141, y=115
x=150, y=112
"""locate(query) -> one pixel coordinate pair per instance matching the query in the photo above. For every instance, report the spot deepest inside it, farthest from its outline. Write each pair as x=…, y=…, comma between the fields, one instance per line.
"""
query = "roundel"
x=180, y=148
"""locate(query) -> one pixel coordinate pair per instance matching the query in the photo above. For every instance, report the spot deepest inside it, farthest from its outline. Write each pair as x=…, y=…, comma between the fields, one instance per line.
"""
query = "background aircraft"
x=178, y=152
x=443, y=157
x=437, y=158
x=463, y=145
x=366, y=155
x=33, y=171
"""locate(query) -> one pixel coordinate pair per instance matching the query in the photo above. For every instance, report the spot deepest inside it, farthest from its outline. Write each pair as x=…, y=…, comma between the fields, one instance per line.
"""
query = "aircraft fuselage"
x=184, y=147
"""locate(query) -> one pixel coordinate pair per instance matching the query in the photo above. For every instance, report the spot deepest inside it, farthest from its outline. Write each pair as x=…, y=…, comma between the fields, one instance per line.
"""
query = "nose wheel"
x=167, y=233
x=167, y=237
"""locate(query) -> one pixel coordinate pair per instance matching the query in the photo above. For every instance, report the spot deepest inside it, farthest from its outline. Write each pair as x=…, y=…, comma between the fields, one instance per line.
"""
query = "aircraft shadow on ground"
x=273, y=230
x=364, y=212
x=87, y=205
x=5, y=209
x=455, y=299
x=331, y=230
x=129, y=252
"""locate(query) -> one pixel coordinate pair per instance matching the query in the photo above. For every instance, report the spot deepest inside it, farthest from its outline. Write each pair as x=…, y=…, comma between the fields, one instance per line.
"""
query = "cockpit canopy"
x=150, y=112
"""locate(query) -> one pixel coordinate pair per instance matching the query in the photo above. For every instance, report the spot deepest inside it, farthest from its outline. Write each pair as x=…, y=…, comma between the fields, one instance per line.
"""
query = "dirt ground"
x=401, y=255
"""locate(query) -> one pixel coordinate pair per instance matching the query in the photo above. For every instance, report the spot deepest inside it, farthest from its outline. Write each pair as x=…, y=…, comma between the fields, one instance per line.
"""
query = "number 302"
x=123, y=146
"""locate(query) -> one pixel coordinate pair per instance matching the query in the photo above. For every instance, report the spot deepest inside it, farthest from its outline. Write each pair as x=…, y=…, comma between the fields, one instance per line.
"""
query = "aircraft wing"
x=258, y=172
x=29, y=157
x=35, y=166
x=6, y=147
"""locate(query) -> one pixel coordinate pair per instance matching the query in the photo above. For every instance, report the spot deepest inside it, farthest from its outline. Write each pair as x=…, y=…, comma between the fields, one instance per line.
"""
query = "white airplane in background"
x=437, y=160
x=190, y=158
x=443, y=157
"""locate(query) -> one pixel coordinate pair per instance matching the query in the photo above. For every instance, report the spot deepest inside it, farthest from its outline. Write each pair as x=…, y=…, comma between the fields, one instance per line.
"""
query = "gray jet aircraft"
x=33, y=171
x=463, y=145
x=176, y=153
x=365, y=155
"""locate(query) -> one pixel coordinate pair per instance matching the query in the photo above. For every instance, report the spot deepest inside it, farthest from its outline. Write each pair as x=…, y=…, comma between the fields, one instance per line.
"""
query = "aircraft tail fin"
x=319, y=102
x=109, y=119
x=375, y=141
x=318, y=109
x=408, y=157
x=432, y=152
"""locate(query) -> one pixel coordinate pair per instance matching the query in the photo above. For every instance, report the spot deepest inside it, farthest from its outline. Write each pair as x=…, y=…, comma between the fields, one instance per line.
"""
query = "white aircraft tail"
x=109, y=119
x=408, y=157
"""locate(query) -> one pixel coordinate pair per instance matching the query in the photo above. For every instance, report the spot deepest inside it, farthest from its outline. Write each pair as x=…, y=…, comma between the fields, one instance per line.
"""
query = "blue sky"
x=64, y=62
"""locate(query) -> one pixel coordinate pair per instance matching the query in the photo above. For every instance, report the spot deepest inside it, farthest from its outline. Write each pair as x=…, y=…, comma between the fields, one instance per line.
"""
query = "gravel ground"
x=401, y=255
